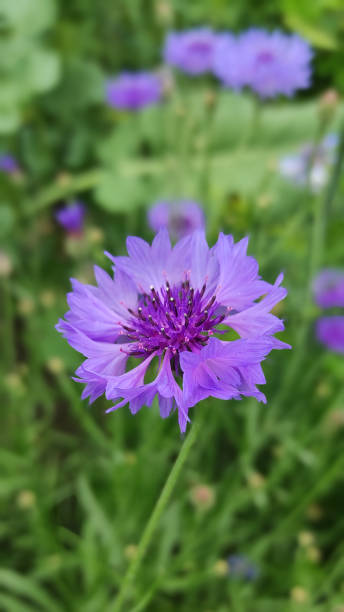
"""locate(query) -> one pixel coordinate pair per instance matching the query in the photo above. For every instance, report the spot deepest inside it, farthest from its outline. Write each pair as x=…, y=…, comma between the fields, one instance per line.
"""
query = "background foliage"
x=76, y=486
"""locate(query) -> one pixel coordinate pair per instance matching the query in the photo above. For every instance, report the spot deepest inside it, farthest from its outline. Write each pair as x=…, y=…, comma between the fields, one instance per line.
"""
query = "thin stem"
x=154, y=519
x=334, y=180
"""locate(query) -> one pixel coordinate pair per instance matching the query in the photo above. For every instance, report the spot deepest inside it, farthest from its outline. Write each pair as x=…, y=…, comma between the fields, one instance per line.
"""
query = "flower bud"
x=202, y=497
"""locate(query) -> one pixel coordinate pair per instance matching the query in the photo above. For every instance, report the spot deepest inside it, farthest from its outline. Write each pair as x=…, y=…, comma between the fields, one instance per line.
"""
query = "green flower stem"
x=8, y=345
x=336, y=174
x=154, y=519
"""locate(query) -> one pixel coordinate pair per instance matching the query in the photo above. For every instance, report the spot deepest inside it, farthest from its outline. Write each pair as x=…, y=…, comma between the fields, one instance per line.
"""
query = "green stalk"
x=154, y=519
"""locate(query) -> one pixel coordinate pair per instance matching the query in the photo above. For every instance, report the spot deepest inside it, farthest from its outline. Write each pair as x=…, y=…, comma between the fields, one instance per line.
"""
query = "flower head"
x=227, y=62
x=310, y=164
x=328, y=288
x=191, y=51
x=180, y=217
x=8, y=164
x=242, y=567
x=166, y=309
x=71, y=217
x=134, y=90
x=330, y=332
x=270, y=63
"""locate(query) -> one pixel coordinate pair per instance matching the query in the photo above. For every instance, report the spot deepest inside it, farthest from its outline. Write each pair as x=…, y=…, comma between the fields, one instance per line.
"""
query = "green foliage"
x=27, y=67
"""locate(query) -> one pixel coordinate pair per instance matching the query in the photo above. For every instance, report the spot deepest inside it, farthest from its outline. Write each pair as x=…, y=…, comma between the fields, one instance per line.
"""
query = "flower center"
x=177, y=318
x=200, y=47
x=265, y=57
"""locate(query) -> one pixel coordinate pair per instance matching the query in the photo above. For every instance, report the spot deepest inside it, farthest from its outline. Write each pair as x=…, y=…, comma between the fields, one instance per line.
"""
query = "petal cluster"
x=165, y=316
x=8, y=163
x=310, y=165
x=134, y=90
x=180, y=217
x=191, y=51
x=328, y=289
x=71, y=217
x=269, y=63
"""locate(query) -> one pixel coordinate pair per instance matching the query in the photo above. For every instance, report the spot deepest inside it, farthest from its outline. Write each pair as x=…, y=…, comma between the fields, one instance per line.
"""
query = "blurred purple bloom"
x=164, y=308
x=270, y=63
x=328, y=288
x=330, y=331
x=310, y=164
x=191, y=51
x=180, y=218
x=71, y=217
x=8, y=163
x=227, y=63
x=134, y=90
x=241, y=567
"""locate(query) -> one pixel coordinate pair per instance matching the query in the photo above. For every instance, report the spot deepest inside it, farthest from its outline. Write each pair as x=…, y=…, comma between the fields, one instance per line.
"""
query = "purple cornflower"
x=241, y=567
x=270, y=63
x=330, y=331
x=164, y=309
x=134, y=90
x=191, y=51
x=71, y=217
x=8, y=163
x=310, y=164
x=180, y=217
x=328, y=288
x=227, y=62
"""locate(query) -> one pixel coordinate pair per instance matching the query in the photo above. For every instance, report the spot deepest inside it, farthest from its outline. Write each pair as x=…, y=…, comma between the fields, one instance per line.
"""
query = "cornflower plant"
x=169, y=309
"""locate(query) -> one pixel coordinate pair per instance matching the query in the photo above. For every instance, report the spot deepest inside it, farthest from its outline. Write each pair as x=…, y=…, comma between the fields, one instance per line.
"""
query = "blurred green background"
x=77, y=486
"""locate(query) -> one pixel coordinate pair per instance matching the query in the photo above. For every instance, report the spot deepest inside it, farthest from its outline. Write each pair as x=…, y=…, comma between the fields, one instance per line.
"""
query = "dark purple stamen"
x=175, y=318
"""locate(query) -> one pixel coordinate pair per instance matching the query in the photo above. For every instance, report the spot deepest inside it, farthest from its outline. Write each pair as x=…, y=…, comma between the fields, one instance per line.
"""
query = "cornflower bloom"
x=311, y=164
x=328, y=289
x=71, y=217
x=134, y=90
x=8, y=163
x=269, y=63
x=191, y=51
x=166, y=311
x=180, y=217
x=330, y=332
x=242, y=567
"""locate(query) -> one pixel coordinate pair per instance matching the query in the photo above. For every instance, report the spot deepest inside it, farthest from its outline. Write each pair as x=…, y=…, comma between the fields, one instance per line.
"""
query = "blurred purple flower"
x=328, y=288
x=270, y=63
x=134, y=90
x=163, y=308
x=191, y=51
x=227, y=63
x=241, y=567
x=310, y=164
x=180, y=217
x=71, y=217
x=8, y=163
x=330, y=332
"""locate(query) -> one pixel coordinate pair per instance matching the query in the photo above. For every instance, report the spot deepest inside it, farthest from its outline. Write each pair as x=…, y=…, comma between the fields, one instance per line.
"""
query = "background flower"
x=8, y=163
x=242, y=567
x=330, y=332
x=274, y=63
x=328, y=288
x=134, y=90
x=180, y=217
x=311, y=164
x=191, y=51
x=227, y=63
x=71, y=217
